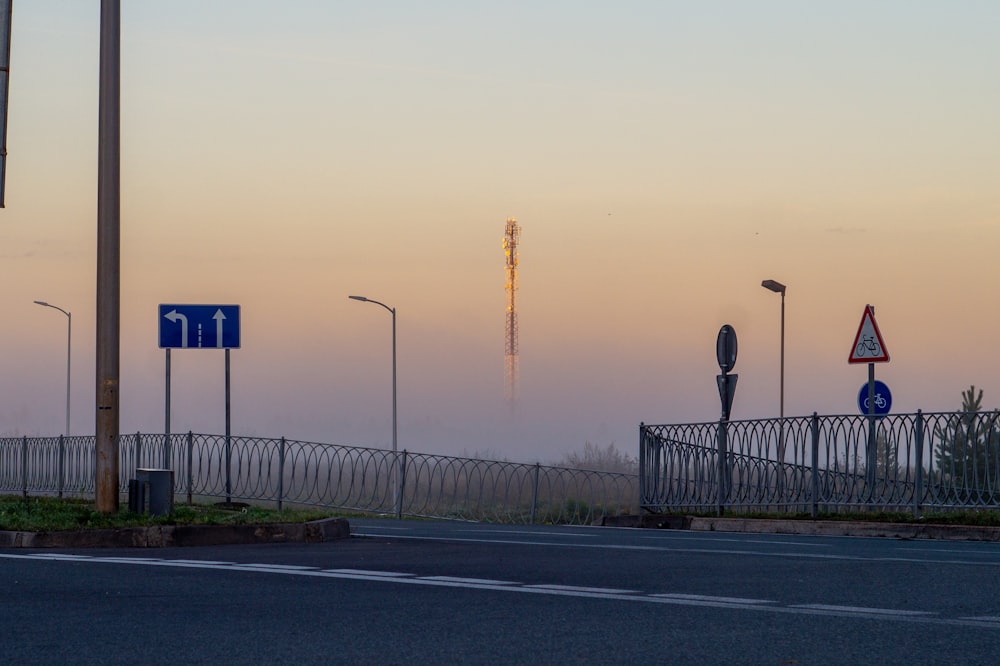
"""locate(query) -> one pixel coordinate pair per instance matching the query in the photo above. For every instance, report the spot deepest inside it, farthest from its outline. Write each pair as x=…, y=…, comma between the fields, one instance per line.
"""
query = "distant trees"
x=886, y=457
x=606, y=459
x=967, y=447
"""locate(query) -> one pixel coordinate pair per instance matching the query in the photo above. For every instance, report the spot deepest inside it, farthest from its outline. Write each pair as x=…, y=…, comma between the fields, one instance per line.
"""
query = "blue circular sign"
x=883, y=399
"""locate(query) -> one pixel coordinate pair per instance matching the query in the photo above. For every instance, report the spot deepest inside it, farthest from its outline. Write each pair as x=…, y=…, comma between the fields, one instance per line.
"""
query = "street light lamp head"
x=358, y=298
x=42, y=303
x=774, y=286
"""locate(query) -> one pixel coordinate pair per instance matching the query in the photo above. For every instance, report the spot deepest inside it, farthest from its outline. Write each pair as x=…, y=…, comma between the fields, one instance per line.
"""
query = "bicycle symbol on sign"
x=880, y=402
x=869, y=346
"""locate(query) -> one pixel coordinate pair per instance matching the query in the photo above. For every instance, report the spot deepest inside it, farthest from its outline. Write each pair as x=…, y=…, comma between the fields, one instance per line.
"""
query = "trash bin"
x=152, y=490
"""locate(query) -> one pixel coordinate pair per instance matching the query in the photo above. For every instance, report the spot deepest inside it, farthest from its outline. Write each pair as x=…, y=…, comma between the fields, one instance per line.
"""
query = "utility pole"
x=511, y=239
x=108, y=259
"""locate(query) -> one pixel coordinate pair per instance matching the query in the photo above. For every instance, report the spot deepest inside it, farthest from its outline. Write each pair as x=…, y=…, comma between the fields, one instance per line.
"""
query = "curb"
x=164, y=536
x=809, y=527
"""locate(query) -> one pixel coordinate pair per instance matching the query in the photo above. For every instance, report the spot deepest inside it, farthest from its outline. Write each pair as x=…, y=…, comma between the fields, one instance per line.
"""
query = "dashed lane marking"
x=607, y=594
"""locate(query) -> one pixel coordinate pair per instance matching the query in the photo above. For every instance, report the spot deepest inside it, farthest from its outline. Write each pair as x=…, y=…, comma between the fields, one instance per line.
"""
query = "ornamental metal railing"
x=250, y=469
x=904, y=462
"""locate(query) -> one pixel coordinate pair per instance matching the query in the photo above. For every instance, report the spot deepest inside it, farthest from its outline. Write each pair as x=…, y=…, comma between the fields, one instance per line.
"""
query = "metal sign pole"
x=871, y=457
x=725, y=354
x=166, y=417
x=870, y=472
x=229, y=488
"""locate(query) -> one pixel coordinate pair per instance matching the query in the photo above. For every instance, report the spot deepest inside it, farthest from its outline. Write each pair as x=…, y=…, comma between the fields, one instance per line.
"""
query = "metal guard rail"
x=904, y=462
x=337, y=477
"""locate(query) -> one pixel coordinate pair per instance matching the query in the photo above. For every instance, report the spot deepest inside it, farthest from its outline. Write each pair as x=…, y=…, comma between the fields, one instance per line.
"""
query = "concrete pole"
x=69, y=365
x=108, y=259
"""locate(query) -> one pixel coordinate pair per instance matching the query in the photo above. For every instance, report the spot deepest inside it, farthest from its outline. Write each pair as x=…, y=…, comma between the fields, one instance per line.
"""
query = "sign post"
x=869, y=347
x=725, y=353
x=200, y=327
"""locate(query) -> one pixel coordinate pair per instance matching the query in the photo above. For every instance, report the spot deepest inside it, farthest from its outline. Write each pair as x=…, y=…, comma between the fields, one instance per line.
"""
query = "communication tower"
x=512, y=236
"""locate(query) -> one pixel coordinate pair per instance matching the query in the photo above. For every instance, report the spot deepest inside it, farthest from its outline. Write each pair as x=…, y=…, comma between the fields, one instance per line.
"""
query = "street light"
x=69, y=346
x=779, y=288
x=393, y=311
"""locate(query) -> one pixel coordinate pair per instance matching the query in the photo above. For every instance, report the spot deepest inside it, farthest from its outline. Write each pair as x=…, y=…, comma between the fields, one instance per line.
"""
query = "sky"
x=663, y=158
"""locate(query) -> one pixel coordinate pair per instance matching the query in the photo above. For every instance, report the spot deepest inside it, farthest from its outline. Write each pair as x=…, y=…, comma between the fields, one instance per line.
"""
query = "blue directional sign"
x=199, y=326
x=883, y=399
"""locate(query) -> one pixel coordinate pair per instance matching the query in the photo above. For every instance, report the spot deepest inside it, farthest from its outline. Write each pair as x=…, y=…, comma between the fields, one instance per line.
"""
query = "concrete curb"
x=811, y=527
x=163, y=536
x=848, y=528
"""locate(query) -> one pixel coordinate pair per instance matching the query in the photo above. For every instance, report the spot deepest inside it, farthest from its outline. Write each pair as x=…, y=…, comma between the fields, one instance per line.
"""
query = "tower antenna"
x=511, y=239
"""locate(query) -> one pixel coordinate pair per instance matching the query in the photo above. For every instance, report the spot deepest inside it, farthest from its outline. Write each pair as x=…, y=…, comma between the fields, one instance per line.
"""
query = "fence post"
x=168, y=452
x=643, y=464
x=814, y=485
x=401, y=461
x=534, y=493
x=24, y=465
x=190, y=457
x=281, y=471
x=62, y=465
x=229, y=465
x=137, y=462
x=918, y=482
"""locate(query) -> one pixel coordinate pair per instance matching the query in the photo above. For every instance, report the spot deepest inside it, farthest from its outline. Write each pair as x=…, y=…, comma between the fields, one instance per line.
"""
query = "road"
x=429, y=592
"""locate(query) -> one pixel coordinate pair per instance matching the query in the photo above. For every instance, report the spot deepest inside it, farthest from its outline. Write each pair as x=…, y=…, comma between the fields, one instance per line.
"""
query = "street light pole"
x=393, y=312
x=69, y=348
x=779, y=288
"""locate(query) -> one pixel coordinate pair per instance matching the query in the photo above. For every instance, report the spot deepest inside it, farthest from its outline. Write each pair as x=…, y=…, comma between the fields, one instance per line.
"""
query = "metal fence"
x=337, y=477
x=905, y=462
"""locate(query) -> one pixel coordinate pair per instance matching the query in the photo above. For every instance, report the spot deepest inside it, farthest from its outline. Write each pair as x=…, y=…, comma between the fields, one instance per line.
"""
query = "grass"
x=49, y=514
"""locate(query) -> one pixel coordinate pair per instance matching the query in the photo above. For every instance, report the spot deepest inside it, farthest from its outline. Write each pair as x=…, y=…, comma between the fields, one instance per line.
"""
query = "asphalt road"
x=426, y=592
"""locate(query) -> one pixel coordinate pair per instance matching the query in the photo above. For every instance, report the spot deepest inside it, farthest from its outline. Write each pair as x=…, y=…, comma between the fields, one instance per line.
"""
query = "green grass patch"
x=49, y=514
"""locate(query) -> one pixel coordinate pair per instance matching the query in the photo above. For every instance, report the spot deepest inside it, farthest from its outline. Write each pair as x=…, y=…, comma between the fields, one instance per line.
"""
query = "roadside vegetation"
x=601, y=459
x=49, y=514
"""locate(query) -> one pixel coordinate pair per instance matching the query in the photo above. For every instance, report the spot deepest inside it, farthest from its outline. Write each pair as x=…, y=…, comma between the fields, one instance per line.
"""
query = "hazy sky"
x=662, y=157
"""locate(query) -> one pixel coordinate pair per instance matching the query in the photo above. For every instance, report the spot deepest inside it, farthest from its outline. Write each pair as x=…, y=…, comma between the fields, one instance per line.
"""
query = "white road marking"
x=861, y=610
x=531, y=532
x=702, y=539
x=201, y=562
x=679, y=599
x=790, y=543
x=722, y=600
x=707, y=551
x=470, y=581
x=574, y=588
x=387, y=574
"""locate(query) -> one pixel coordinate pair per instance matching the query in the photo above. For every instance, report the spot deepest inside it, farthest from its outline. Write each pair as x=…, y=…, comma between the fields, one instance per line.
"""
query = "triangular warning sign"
x=868, y=344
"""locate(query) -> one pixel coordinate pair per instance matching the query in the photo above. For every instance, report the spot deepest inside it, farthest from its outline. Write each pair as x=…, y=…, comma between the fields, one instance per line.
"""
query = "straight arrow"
x=219, y=318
